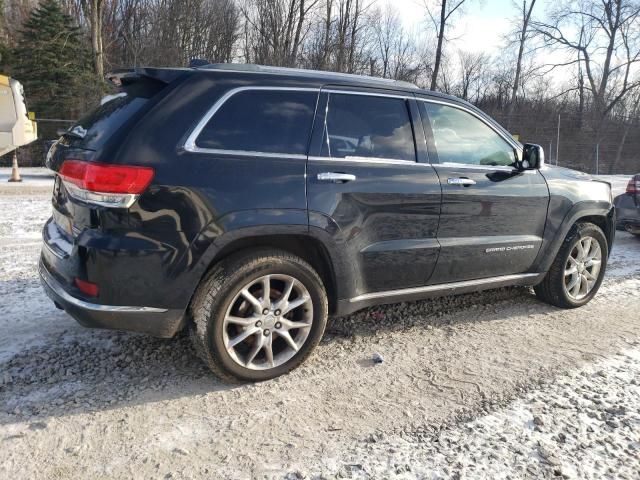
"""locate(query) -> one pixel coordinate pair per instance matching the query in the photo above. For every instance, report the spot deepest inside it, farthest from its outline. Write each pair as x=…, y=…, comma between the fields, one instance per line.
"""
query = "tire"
x=553, y=288
x=219, y=302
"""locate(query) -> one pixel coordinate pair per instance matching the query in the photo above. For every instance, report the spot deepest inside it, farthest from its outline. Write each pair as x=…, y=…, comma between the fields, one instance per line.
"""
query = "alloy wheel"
x=267, y=322
x=582, y=268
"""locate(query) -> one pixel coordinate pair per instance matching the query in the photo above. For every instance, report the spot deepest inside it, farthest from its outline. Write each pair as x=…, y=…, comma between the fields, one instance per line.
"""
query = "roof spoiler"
x=123, y=77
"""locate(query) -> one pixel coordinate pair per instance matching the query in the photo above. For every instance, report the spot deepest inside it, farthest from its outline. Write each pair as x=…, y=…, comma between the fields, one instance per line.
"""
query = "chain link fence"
x=570, y=141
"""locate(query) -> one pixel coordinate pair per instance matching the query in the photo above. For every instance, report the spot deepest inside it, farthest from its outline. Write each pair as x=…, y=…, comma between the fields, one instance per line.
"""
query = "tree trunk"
x=436, y=65
x=526, y=16
x=93, y=9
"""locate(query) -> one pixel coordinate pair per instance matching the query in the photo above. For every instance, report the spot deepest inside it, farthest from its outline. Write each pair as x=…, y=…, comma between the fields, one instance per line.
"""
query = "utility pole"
x=558, y=141
x=597, y=159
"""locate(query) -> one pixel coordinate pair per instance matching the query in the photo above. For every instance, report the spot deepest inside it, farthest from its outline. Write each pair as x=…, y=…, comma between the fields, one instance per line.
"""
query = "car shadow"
x=77, y=370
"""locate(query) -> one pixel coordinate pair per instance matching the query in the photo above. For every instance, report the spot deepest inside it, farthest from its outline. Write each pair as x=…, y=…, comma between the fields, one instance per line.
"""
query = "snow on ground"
x=31, y=176
x=483, y=385
x=583, y=425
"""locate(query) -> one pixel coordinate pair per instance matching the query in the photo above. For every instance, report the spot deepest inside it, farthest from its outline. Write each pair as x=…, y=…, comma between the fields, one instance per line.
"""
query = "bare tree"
x=440, y=14
x=472, y=69
x=605, y=37
x=274, y=29
x=523, y=35
x=395, y=49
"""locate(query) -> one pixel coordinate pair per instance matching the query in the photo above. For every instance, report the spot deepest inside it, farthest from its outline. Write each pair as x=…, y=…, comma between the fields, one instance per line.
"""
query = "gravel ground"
x=583, y=425
x=492, y=384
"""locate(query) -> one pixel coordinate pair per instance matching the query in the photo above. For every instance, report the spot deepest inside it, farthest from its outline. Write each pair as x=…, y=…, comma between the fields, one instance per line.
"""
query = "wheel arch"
x=599, y=213
x=308, y=248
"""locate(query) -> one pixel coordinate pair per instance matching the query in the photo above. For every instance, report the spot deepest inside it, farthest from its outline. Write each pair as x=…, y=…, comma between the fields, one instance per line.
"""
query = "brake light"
x=88, y=288
x=634, y=185
x=104, y=184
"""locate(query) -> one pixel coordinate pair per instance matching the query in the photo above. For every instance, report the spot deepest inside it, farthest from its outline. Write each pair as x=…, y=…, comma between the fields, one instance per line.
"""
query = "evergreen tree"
x=53, y=63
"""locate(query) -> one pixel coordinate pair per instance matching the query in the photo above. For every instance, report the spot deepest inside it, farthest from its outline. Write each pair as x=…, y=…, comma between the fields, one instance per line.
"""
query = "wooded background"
x=568, y=63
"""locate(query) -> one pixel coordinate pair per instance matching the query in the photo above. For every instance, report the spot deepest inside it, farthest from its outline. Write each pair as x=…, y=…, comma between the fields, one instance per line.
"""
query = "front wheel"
x=578, y=269
x=258, y=315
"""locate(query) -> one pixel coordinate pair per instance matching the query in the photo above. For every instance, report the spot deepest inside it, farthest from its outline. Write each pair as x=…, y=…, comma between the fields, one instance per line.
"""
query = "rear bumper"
x=159, y=322
x=628, y=212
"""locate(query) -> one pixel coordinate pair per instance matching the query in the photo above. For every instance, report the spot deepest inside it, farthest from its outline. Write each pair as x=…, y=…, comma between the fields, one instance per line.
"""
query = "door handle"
x=465, y=182
x=336, y=177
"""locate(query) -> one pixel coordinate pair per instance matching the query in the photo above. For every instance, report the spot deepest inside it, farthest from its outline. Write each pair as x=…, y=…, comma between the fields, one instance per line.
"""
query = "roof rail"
x=253, y=68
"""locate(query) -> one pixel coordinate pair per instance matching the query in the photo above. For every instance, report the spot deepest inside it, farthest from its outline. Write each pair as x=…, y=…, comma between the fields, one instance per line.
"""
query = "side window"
x=269, y=121
x=368, y=126
x=462, y=138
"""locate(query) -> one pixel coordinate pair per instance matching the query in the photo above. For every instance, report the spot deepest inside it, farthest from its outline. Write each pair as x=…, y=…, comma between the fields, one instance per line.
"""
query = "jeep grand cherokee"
x=249, y=203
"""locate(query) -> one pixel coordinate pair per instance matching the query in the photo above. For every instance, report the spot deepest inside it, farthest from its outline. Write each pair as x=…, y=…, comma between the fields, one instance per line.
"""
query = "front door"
x=493, y=215
x=366, y=188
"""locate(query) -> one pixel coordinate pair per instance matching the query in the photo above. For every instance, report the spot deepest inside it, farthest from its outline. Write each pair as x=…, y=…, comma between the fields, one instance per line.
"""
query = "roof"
x=309, y=74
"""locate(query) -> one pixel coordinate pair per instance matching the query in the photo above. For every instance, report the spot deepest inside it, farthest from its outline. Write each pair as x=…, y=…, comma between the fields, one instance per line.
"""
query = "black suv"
x=250, y=203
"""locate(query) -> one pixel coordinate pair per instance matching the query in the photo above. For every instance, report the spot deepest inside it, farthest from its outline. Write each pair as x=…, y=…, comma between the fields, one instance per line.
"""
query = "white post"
x=558, y=141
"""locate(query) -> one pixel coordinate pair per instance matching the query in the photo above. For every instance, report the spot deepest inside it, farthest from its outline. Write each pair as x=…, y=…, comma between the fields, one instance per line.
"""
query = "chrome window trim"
x=53, y=284
x=474, y=166
x=369, y=160
x=471, y=166
x=441, y=287
x=190, y=143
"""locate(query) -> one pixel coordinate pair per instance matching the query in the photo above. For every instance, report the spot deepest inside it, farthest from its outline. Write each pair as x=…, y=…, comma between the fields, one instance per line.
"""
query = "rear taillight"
x=103, y=184
x=634, y=185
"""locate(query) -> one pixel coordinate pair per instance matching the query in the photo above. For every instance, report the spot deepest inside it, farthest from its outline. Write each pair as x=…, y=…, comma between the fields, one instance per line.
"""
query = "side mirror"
x=532, y=157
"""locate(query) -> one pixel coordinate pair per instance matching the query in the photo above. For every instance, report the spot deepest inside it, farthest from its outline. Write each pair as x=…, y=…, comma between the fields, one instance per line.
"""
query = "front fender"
x=556, y=231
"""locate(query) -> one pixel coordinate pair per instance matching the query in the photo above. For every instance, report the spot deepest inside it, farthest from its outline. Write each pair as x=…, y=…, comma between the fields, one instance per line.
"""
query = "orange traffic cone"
x=15, y=174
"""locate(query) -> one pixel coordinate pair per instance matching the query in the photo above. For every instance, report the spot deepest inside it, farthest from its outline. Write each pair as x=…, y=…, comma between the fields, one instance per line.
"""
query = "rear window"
x=96, y=128
x=267, y=121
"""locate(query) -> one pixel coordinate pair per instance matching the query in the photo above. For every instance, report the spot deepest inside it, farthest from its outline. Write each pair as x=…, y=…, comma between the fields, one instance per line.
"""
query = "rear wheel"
x=258, y=315
x=578, y=269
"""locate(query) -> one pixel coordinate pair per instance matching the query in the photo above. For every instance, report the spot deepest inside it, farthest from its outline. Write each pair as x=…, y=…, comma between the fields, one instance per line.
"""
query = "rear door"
x=366, y=188
x=493, y=215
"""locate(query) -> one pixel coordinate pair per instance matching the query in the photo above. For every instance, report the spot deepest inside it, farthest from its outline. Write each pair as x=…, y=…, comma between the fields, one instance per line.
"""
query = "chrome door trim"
x=56, y=288
x=190, y=143
x=443, y=287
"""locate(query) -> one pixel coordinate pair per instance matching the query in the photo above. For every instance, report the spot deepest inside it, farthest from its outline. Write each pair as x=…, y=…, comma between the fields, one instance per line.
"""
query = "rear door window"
x=368, y=126
x=262, y=121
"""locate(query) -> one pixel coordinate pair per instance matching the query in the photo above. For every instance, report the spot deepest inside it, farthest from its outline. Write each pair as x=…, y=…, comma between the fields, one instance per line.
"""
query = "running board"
x=347, y=306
